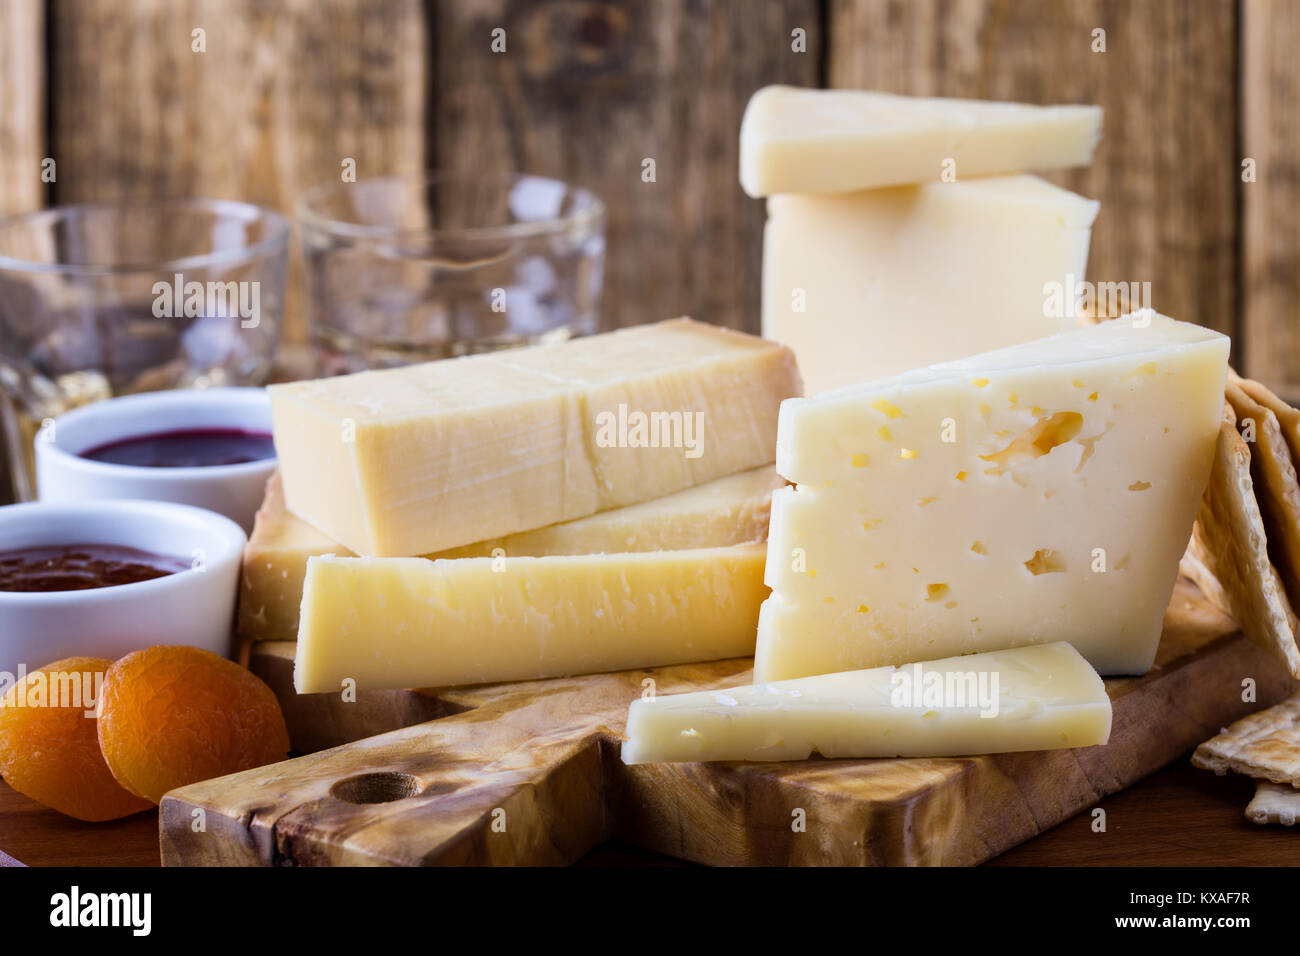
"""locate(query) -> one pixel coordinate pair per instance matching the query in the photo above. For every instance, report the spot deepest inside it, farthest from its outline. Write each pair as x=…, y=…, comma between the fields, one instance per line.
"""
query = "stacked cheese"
x=1020, y=499
x=900, y=234
x=895, y=238
x=593, y=505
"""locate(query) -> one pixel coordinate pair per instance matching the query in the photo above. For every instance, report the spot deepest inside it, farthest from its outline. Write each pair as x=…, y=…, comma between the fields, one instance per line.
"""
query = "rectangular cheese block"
x=731, y=510
x=414, y=460
x=410, y=622
x=833, y=141
x=872, y=284
x=1031, y=698
x=1040, y=493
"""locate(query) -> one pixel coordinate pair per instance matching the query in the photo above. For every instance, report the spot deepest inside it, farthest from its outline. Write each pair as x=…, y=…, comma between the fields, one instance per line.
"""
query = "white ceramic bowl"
x=232, y=490
x=194, y=606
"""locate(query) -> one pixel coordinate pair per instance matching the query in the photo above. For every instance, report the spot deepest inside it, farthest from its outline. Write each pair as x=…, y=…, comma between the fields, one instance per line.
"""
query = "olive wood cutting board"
x=529, y=773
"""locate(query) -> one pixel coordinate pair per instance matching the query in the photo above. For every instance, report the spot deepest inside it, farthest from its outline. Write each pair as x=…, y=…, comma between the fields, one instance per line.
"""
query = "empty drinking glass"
x=103, y=300
x=424, y=267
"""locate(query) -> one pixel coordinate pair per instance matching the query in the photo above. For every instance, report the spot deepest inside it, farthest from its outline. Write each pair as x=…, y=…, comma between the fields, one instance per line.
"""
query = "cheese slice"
x=419, y=459
x=832, y=141
x=731, y=510
x=872, y=284
x=1031, y=698
x=1040, y=493
x=410, y=622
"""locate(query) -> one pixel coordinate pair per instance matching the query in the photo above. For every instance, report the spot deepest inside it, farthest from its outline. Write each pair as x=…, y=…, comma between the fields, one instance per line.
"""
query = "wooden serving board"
x=529, y=773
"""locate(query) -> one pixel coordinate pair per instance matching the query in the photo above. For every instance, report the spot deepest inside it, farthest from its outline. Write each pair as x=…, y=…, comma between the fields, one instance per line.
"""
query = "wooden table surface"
x=1178, y=817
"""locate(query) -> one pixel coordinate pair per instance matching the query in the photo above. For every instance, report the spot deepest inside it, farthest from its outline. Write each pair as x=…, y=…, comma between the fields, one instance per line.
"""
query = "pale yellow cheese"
x=411, y=622
x=1031, y=698
x=872, y=284
x=832, y=141
x=731, y=510
x=1040, y=493
x=429, y=457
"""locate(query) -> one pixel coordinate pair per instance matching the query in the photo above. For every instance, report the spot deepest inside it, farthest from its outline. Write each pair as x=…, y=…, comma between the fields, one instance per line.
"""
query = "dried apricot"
x=169, y=716
x=49, y=749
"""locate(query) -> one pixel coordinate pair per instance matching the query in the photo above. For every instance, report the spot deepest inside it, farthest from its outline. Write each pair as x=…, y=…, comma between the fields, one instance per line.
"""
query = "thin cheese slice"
x=411, y=622
x=833, y=141
x=1031, y=698
x=872, y=284
x=731, y=510
x=420, y=459
x=1041, y=493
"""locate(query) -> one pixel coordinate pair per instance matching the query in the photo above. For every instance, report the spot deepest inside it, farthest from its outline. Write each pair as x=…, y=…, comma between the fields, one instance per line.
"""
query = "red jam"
x=188, y=448
x=80, y=567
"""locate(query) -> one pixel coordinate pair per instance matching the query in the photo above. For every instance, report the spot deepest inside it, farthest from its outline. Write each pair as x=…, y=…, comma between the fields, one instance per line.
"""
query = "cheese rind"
x=1042, y=698
x=731, y=510
x=872, y=284
x=411, y=622
x=428, y=457
x=834, y=141
x=1039, y=493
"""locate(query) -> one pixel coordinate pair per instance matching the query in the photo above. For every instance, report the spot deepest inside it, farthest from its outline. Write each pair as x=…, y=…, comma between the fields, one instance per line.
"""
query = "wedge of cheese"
x=872, y=284
x=833, y=141
x=411, y=622
x=731, y=510
x=1040, y=493
x=419, y=459
x=1031, y=698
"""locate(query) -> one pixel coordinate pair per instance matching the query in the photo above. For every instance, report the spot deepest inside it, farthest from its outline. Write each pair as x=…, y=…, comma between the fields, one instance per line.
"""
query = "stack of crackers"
x=1245, y=557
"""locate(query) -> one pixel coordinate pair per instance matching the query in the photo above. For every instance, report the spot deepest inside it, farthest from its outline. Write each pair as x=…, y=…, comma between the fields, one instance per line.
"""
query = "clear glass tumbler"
x=103, y=300
x=414, y=268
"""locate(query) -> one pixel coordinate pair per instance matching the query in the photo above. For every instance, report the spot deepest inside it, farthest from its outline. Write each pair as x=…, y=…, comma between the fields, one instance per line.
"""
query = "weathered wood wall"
x=1165, y=171
x=22, y=105
x=586, y=91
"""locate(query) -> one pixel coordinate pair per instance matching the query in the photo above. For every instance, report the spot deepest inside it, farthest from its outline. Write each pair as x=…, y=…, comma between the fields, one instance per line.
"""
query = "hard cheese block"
x=1030, y=698
x=411, y=622
x=731, y=510
x=832, y=141
x=420, y=459
x=1040, y=493
x=875, y=283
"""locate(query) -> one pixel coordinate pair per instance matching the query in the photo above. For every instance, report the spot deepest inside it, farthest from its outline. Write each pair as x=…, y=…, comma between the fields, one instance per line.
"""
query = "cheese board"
x=530, y=773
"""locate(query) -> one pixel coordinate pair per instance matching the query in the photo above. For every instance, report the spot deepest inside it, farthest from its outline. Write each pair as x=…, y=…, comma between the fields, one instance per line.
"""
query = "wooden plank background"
x=586, y=91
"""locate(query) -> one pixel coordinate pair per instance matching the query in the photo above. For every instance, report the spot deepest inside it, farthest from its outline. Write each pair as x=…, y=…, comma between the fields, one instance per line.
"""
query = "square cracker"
x=1265, y=745
x=1276, y=488
x=1288, y=418
x=1274, y=803
x=1228, y=554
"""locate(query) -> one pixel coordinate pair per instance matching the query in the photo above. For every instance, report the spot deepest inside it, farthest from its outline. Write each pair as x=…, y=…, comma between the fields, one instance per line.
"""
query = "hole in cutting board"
x=376, y=788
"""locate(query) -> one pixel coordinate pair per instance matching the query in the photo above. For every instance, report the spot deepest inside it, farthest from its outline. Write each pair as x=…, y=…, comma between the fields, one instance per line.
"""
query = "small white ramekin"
x=194, y=606
x=232, y=490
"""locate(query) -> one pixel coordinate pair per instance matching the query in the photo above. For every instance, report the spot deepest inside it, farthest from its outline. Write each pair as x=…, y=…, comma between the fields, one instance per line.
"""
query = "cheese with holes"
x=731, y=510
x=1040, y=493
x=834, y=141
x=1032, y=698
x=872, y=284
x=419, y=459
x=411, y=622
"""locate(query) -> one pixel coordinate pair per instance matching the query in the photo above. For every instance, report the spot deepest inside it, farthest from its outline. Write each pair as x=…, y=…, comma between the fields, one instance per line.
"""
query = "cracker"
x=1276, y=487
x=1274, y=803
x=1288, y=418
x=1229, y=543
x=1265, y=745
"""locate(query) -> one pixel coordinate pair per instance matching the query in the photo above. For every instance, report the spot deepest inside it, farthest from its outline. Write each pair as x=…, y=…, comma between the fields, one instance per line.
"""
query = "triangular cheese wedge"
x=1032, y=698
x=1039, y=493
x=832, y=141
